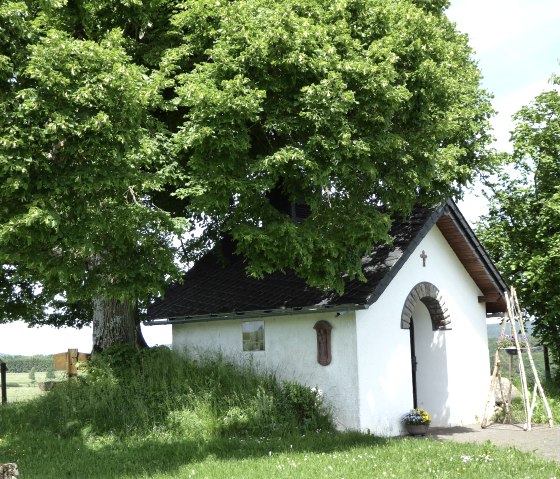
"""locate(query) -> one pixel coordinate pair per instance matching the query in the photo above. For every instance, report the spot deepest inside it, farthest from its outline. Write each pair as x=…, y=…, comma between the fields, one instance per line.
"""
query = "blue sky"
x=517, y=46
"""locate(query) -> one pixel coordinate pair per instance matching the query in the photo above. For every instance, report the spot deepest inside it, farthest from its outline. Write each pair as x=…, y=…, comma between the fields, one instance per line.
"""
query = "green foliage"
x=307, y=403
x=18, y=296
x=79, y=151
x=125, y=391
x=540, y=416
x=50, y=374
x=522, y=229
x=32, y=375
x=537, y=354
x=553, y=397
x=78, y=132
x=120, y=120
x=346, y=107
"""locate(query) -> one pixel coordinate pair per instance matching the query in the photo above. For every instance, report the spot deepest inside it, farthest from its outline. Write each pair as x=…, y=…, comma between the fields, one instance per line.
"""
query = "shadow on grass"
x=42, y=455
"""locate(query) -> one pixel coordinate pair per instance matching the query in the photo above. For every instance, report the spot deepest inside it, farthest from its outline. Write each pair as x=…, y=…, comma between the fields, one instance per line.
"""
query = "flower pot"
x=417, y=429
x=512, y=350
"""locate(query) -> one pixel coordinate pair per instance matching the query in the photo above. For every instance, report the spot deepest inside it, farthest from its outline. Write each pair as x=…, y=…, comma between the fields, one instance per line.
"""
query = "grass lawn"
x=327, y=455
x=152, y=414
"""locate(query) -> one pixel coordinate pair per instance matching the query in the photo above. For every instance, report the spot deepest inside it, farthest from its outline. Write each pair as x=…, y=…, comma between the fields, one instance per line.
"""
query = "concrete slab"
x=541, y=439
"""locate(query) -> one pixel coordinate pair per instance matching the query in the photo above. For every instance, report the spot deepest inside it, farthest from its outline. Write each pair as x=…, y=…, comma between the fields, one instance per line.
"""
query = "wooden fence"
x=3, y=369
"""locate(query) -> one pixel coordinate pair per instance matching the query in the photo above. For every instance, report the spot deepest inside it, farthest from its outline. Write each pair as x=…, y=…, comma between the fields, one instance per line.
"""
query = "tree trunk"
x=115, y=322
x=547, y=372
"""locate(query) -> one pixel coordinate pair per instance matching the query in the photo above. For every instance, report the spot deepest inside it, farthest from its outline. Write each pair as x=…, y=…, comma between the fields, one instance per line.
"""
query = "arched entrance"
x=424, y=314
x=428, y=294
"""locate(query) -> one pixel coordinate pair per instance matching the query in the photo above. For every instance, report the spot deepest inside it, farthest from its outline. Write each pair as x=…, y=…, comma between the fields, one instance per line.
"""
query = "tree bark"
x=547, y=372
x=115, y=322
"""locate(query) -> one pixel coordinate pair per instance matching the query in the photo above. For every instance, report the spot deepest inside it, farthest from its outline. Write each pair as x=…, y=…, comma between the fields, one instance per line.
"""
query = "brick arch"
x=431, y=297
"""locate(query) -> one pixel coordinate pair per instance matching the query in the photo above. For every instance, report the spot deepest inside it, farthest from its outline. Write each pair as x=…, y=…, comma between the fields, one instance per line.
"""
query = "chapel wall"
x=290, y=352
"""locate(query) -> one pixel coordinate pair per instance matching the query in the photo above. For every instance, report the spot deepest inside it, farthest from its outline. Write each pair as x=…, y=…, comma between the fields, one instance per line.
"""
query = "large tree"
x=81, y=153
x=124, y=122
x=522, y=228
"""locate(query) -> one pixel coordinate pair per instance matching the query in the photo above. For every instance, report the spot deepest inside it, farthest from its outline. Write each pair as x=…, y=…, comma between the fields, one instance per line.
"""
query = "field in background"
x=22, y=388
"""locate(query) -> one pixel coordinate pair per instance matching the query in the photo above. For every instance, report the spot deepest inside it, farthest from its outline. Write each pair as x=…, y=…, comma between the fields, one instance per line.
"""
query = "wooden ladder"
x=514, y=317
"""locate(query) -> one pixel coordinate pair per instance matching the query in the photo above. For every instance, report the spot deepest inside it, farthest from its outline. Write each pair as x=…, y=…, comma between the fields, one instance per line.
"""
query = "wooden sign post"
x=69, y=362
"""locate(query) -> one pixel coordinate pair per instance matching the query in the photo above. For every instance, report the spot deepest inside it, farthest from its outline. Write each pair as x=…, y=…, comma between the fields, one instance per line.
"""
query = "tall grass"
x=540, y=416
x=136, y=391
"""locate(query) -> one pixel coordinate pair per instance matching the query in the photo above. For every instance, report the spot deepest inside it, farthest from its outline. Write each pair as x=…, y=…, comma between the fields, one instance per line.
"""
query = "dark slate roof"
x=211, y=290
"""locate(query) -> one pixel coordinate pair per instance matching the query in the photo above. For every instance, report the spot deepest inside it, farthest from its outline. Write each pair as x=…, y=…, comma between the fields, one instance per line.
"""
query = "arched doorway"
x=425, y=316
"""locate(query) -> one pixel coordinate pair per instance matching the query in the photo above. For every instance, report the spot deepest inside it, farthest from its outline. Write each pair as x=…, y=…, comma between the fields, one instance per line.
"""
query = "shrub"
x=308, y=406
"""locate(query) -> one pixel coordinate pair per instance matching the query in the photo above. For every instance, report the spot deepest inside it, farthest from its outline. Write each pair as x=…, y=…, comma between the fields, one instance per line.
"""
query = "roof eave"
x=449, y=209
x=482, y=255
x=203, y=318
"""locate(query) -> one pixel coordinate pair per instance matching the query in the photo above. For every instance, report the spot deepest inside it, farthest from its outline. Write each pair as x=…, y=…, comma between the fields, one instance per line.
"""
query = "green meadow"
x=153, y=414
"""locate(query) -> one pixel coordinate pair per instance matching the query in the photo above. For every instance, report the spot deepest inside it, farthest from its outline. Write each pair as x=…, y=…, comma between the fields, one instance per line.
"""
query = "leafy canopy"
x=348, y=106
x=124, y=122
x=522, y=228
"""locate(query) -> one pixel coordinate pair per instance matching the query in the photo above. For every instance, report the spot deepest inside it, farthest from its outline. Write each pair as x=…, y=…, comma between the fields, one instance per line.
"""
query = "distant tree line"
x=24, y=364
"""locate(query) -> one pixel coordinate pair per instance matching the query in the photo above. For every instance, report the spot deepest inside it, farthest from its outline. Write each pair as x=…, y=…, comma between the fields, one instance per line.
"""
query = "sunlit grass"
x=156, y=415
x=336, y=455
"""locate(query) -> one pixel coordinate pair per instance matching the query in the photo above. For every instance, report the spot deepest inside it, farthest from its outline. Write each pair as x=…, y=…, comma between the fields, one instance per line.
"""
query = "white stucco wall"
x=453, y=367
x=291, y=353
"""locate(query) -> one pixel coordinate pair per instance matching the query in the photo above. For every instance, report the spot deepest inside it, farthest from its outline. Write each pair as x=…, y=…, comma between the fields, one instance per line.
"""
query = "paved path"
x=541, y=439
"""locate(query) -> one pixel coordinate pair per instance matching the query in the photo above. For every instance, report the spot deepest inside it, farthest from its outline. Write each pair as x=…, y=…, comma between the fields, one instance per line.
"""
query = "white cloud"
x=473, y=205
x=491, y=23
x=517, y=47
x=17, y=338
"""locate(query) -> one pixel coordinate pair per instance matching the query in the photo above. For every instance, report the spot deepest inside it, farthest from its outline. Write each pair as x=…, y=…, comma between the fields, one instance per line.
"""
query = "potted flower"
x=507, y=343
x=416, y=422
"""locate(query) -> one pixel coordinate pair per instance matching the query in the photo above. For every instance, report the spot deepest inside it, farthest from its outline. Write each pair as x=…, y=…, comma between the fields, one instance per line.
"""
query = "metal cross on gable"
x=424, y=257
